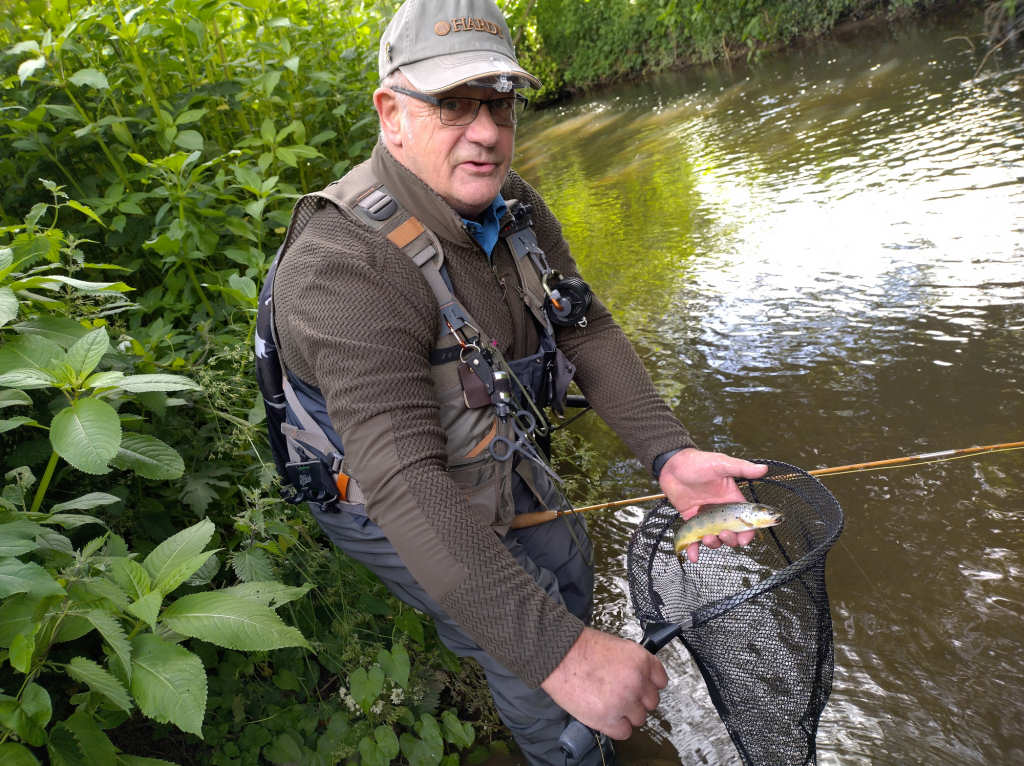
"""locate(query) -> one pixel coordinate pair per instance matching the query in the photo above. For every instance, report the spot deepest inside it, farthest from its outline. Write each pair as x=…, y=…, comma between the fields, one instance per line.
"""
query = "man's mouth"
x=478, y=167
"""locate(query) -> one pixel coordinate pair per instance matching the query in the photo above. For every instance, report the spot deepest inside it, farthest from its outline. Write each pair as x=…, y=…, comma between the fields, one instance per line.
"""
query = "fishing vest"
x=479, y=391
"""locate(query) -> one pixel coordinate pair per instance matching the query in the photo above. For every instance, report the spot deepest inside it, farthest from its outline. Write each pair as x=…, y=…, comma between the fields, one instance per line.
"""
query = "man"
x=408, y=358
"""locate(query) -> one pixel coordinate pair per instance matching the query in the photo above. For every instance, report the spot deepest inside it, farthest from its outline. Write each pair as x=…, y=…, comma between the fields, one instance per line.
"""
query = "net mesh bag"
x=756, y=618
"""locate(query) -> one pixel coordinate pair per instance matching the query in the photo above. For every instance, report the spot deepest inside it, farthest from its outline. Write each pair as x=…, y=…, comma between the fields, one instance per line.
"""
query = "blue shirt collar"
x=486, y=230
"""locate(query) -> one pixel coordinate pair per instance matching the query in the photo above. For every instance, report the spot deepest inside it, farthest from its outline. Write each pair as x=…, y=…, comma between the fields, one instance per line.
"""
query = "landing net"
x=759, y=627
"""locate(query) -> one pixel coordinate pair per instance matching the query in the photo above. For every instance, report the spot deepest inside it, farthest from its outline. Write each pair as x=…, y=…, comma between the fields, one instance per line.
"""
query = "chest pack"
x=308, y=452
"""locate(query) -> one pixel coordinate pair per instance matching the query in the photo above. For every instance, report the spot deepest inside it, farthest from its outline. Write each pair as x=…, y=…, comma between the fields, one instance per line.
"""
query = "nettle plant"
x=89, y=632
x=62, y=606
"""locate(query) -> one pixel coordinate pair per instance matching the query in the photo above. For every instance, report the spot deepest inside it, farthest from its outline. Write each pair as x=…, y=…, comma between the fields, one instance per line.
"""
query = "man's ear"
x=389, y=111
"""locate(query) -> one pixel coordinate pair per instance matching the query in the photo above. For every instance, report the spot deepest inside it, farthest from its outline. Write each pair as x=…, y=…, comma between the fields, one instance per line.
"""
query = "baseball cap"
x=439, y=45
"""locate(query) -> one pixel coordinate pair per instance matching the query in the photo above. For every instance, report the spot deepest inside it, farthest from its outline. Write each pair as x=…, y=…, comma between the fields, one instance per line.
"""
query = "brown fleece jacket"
x=357, y=319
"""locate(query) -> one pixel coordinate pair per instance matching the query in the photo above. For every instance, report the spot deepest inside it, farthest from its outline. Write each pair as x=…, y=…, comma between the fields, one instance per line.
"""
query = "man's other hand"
x=608, y=683
x=692, y=478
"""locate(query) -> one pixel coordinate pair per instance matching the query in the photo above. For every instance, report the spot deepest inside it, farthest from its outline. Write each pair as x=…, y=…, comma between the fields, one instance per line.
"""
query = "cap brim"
x=442, y=73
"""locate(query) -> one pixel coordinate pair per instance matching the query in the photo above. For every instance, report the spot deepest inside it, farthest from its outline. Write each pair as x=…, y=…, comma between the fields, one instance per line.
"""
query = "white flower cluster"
x=348, y=700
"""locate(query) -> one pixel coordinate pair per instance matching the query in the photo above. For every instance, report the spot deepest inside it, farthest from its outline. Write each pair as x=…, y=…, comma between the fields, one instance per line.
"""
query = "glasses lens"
x=462, y=111
x=503, y=110
x=458, y=111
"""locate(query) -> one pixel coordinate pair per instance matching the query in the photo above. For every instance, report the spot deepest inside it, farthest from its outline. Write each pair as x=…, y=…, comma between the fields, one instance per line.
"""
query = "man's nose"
x=483, y=129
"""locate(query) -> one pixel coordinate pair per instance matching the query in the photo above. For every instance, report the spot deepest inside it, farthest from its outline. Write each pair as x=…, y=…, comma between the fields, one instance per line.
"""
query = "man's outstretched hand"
x=692, y=478
x=608, y=683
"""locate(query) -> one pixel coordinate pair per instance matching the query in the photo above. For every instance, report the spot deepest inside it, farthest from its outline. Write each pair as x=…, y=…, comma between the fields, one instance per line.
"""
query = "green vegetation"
x=158, y=602
x=573, y=45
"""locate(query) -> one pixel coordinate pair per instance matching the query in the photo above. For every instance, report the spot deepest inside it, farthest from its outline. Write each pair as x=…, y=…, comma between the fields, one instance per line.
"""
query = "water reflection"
x=822, y=261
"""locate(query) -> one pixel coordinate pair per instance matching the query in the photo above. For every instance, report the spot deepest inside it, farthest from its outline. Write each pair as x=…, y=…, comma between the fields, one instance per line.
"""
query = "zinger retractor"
x=568, y=301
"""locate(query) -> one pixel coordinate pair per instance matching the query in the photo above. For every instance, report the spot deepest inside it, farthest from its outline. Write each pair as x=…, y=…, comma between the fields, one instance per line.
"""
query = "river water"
x=821, y=260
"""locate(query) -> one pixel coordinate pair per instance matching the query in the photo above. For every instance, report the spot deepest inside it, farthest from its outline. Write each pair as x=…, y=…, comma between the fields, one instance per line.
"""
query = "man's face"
x=466, y=164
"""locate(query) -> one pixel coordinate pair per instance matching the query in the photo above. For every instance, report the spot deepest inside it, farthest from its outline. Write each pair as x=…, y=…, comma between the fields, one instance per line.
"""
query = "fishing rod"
x=540, y=517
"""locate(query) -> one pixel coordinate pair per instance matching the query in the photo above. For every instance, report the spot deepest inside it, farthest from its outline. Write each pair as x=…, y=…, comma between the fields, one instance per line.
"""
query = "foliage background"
x=150, y=155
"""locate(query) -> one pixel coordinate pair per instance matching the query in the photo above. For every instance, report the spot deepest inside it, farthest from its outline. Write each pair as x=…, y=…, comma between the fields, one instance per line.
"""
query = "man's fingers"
x=745, y=469
x=621, y=729
x=650, y=699
x=692, y=552
x=711, y=541
x=658, y=676
x=727, y=537
x=744, y=538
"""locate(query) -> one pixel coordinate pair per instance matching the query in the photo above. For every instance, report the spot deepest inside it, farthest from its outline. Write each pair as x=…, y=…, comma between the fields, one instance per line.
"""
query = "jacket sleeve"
x=627, y=399
x=356, y=316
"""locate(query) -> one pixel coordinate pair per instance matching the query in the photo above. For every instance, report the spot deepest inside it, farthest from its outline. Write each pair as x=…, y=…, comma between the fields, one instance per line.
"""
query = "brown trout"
x=718, y=517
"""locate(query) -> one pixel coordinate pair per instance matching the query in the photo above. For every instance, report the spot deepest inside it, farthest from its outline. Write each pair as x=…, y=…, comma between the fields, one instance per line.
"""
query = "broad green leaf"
x=29, y=67
x=99, y=680
x=205, y=574
x=366, y=686
x=71, y=520
x=171, y=579
x=267, y=131
x=94, y=78
x=63, y=748
x=8, y=306
x=26, y=377
x=85, y=502
x=231, y=622
x=106, y=379
x=12, y=397
x=459, y=733
x=87, y=434
x=270, y=593
x=244, y=285
x=147, y=608
x=123, y=759
x=25, y=46
x=113, y=633
x=86, y=352
x=19, y=614
x=13, y=754
x=190, y=115
x=189, y=139
x=168, y=683
x=11, y=423
x=287, y=156
x=131, y=576
x=148, y=457
x=157, y=382
x=64, y=112
x=57, y=281
x=20, y=654
x=396, y=664
x=99, y=592
x=178, y=548
x=18, y=537
x=284, y=750
x=85, y=210
x=377, y=751
x=29, y=350
x=418, y=752
x=18, y=576
x=57, y=332
x=252, y=565
x=71, y=628
x=95, y=744
x=28, y=716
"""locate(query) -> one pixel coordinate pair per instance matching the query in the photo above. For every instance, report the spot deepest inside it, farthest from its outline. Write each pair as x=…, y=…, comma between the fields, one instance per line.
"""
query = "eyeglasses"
x=458, y=111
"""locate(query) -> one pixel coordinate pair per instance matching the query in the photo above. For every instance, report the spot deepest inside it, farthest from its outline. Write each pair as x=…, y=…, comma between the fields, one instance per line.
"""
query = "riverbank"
x=614, y=41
